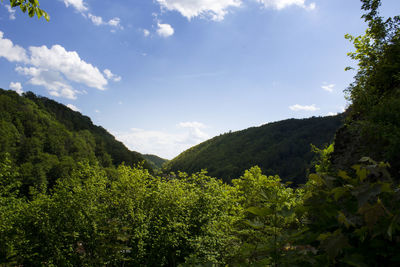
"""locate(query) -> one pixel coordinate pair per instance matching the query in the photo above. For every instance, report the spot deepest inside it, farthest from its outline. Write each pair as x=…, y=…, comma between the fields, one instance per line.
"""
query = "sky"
x=164, y=75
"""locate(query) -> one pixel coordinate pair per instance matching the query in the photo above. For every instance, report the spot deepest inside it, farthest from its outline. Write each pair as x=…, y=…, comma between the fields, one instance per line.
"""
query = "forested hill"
x=282, y=148
x=155, y=161
x=46, y=139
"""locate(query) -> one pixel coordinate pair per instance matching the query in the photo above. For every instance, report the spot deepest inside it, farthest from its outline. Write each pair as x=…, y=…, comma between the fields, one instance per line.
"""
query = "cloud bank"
x=55, y=68
x=164, y=144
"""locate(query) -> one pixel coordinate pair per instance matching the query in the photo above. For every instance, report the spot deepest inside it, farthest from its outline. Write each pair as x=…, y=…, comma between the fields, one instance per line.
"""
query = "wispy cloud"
x=328, y=87
x=74, y=108
x=79, y=5
x=146, y=32
x=214, y=9
x=217, y=9
x=111, y=76
x=298, y=107
x=281, y=4
x=11, y=12
x=82, y=7
x=98, y=21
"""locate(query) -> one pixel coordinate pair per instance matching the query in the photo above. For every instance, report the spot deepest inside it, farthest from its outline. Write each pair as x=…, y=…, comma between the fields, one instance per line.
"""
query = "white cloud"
x=192, y=124
x=74, y=108
x=115, y=22
x=146, y=32
x=17, y=87
x=298, y=107
x=164, y=144
x=332, y=113
x=51, y=80
x=164, y=30
x=11, y=52
x=214, y=9
x=328, y=87
x=79, y=5
x=111, y=76
x=217, y=9
x=98, y=21
x=281, y=4
x=95, y=19
x=11, y=12
x=69, y=64
x=53, y=68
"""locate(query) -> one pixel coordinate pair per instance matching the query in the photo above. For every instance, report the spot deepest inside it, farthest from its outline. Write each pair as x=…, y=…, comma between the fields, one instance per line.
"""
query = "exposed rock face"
x=350, y=145
x=347, y=148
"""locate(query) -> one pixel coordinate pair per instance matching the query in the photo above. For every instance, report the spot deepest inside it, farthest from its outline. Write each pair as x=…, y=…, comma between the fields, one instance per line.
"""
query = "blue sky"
x=164, y=75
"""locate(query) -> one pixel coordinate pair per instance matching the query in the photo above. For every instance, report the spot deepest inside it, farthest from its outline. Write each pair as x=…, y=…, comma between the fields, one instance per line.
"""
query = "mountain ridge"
x=269, y=146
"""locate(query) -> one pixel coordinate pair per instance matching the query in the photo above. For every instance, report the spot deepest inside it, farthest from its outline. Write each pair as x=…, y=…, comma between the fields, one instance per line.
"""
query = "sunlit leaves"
x=32, y=6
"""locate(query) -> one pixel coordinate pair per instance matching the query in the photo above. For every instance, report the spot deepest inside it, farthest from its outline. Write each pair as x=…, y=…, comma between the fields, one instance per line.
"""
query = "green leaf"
x=391, y=226
x=343, y=174
x=316, y=178
x=361, y=172
x=343, y=220
x=334, y=243
x=31, y=12
x=255, y=224
x=265, y=211
x=356, y=260
x=338, y=192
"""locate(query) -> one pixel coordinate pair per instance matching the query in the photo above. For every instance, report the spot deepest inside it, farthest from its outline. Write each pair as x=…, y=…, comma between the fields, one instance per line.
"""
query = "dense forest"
x=282, y=148
x=346, y=214
x=155, y=162
x=45, y=140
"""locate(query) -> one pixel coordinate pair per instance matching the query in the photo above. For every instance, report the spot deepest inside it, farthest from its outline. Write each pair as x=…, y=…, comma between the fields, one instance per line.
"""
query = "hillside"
x=155, y=161
x=282, y=148
x=45, y=140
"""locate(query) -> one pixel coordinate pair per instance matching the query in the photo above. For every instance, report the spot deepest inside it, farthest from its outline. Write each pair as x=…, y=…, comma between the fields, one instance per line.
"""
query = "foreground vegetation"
x=347, y=214
x=136, y=219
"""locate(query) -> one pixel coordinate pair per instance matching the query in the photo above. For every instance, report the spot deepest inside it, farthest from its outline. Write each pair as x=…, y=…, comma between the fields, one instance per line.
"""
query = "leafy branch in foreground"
x=32, y=6
x=353, y=218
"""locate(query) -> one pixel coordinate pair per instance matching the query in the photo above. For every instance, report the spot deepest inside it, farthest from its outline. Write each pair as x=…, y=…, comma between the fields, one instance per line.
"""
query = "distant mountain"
x=155, y=161
x=282, y=148
x=45, y=140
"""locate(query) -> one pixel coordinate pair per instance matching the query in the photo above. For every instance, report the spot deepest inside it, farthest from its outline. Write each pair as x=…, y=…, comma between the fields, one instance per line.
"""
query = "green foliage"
x=353, y=218
x=132, y=219
x=375, y=93
x=269, y=220
x=45, y=140
x=281, y=148
x=322, y=163
x=32, y=6
x=155, y=162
